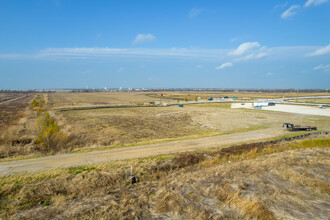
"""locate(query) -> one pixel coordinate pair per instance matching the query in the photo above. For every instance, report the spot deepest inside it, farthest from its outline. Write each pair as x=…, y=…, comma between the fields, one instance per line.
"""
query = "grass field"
x=17, y=126
x=283, y=181
x=66, y=99
x=251, y=181
x=102, y=127
x=316, y=101
x=190, y=96
x=129, y=126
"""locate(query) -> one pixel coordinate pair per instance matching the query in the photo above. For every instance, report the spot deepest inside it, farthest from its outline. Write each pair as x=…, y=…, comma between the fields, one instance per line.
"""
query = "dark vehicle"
x=292, y=127
x=210, y=98
x=226, y=97
x=271, y=103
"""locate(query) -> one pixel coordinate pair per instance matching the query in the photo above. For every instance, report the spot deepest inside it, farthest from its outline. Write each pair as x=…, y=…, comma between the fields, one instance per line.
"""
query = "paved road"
x=297, y=109
x=309, y=97
x=79, y=159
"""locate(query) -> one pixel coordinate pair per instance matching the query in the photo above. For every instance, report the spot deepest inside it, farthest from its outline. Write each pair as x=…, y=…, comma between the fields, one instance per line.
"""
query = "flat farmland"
x=11, y=104
x=222, y=174
x=65, y=99
x=120, y=127
x=17, y=124
x=315, y=101
x=103, y=127
x=190, y=95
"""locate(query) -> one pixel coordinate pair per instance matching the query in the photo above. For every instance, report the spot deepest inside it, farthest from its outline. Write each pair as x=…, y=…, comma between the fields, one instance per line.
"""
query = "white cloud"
x=224, y=65
x=86, y=71
x=144, y=38
x=195, y=11
x=253, y=56
x=281, y=5
x=234, y=39
x=244, y=47
x=198, y=54
x=314, y=2
x=107, y=53
x=290, y=12
x=269, y=74
x=121, y=69
x=325, y=68
x=199, y=66
x=321, y=51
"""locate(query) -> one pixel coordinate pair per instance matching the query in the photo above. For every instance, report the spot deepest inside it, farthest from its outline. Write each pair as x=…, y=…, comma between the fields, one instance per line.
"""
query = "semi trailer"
x=292, y=127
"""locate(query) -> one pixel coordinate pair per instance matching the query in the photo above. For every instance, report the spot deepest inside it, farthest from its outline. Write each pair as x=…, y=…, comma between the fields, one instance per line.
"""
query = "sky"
x=58, y=44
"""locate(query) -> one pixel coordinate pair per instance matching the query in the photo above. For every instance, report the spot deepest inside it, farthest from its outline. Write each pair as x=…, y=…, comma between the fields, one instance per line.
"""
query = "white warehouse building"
x=251, y=105
x=242, y=105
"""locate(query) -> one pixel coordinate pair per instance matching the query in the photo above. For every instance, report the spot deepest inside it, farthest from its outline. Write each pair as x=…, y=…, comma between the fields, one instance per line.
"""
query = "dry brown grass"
x=322, y=101
x=254, y=186
x=66, y=99
x=104, y=127
x=191, y=95
x=121, y=127
x=17, y=127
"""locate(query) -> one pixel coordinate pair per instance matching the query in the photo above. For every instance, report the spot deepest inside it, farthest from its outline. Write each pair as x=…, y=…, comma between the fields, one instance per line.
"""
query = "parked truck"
x=292, y=127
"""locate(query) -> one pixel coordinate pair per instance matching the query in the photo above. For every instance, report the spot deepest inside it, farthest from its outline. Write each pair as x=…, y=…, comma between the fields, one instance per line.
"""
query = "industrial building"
x=257, y=105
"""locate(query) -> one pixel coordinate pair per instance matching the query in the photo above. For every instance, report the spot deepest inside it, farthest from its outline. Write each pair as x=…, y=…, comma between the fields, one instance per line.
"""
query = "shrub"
x=35, y=103
x=49, y=136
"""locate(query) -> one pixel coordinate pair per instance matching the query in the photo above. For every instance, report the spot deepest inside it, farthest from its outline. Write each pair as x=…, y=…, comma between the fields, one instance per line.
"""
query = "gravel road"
x=79, y=159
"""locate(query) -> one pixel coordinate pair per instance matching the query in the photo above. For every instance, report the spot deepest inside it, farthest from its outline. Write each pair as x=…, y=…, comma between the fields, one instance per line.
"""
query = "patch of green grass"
x=20, y=158
x=77, y=170
x=315, y=143
x=316, y=101
x=297, y=133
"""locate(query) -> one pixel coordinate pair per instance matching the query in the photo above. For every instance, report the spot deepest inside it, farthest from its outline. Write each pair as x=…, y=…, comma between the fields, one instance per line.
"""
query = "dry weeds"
x=255, y=186
x=122, y=127
x=17, y=127
x=104, y=127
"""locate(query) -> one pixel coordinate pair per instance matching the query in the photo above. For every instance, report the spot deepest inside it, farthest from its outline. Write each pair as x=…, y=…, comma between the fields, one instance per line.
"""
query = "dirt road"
x=79, y=159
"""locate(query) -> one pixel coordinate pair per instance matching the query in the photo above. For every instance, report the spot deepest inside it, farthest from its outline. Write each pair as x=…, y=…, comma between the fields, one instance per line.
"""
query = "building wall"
x=241, y=105
x=260, y=104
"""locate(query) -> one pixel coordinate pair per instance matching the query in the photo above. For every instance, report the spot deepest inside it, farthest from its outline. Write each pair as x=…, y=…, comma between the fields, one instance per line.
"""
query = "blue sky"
x=164, y=44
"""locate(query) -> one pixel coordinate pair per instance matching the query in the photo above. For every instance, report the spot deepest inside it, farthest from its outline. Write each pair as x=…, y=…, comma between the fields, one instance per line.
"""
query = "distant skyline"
x=48, y=44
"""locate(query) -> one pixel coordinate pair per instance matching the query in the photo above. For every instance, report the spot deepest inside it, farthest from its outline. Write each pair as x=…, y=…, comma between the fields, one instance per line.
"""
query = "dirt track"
x=79, y=159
